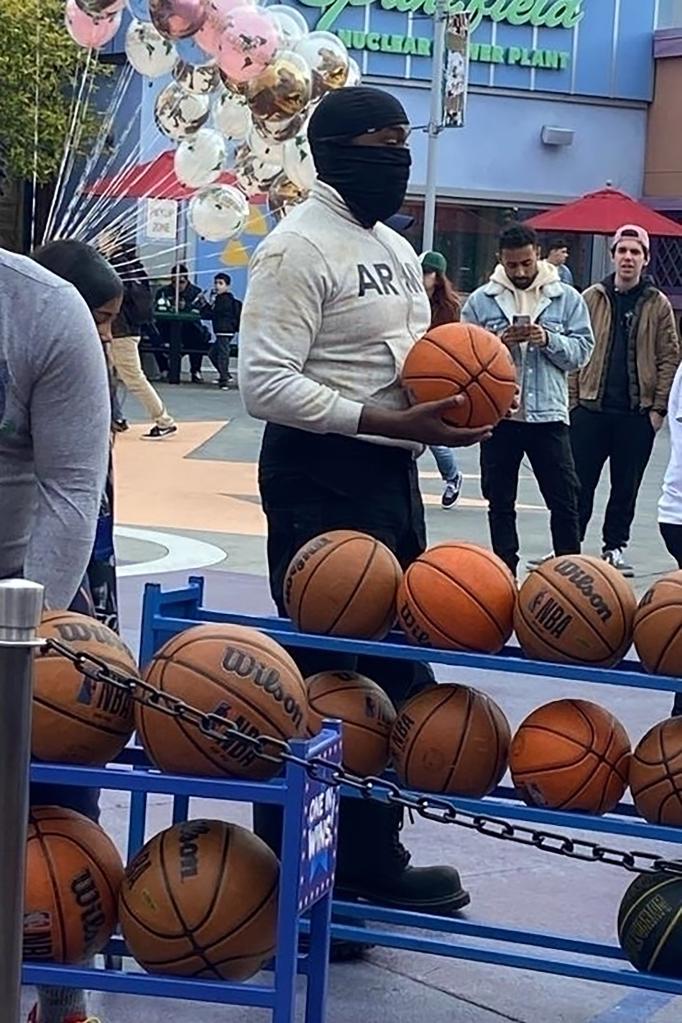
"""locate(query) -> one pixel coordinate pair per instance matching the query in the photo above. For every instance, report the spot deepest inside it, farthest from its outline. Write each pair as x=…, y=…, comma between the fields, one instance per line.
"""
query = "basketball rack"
x=165, y=614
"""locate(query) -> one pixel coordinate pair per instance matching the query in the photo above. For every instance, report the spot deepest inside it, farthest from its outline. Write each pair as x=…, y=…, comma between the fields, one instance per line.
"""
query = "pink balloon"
x=209, y=35
x=248, y=44
x=87, y=31
x=177, y=19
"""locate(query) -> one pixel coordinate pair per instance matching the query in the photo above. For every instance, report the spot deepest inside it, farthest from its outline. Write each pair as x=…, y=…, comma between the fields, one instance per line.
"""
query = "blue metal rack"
x=165, y=614
x=304, y=888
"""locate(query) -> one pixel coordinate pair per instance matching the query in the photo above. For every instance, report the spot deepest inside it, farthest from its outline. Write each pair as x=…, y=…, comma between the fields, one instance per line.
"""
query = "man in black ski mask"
x=334, y=304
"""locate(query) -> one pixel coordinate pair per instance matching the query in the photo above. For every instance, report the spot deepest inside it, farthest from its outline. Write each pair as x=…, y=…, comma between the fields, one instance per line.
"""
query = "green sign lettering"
x=538, y=13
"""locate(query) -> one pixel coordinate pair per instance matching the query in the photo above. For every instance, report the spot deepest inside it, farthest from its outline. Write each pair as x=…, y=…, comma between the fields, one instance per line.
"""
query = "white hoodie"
x=331, y=311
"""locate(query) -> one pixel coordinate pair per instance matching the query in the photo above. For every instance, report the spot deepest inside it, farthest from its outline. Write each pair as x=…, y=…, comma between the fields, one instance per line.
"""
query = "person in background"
x=557, y=255
x=670, y=503
x=183, y=296
x=546, y=326
x=54, y=454
x=334, y=303
x=226, y=314
x=445, y=308
x=124, y=350
x=620, y=398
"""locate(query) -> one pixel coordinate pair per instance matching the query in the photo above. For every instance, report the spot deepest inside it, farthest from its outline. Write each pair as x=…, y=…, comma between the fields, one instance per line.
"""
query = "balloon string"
x=36, y=127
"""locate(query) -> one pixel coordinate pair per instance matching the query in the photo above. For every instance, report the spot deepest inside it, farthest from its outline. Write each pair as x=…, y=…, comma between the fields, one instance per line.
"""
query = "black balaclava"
x=372, y=180
x=84, y=267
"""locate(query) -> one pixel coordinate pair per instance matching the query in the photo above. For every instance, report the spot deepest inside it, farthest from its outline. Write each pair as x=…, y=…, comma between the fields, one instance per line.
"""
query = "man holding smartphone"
x=546, y=326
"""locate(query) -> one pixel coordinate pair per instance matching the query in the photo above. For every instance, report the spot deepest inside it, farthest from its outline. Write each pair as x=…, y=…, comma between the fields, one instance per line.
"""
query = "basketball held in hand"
x=460, y=358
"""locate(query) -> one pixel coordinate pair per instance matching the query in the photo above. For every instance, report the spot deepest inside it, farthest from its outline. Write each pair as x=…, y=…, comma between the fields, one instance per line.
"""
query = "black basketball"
x=650, y=924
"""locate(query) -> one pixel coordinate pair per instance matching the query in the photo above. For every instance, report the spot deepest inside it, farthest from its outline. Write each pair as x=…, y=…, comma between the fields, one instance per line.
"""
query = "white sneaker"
x=615, y=557
x=534, y=563
x=452, y=491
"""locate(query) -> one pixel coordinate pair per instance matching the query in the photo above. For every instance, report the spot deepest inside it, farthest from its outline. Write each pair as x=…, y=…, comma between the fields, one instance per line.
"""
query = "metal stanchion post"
x=21, y=605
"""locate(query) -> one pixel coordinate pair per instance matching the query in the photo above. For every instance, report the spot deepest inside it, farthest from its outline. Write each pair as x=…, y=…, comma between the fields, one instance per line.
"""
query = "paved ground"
x=190, y=503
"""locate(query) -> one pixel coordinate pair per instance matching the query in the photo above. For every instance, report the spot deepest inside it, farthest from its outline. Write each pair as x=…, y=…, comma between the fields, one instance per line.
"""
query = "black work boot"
x=373, y=864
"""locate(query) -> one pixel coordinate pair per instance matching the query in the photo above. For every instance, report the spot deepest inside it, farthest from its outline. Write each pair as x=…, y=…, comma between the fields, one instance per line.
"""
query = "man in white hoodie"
x=335, y=302
x=546, y=326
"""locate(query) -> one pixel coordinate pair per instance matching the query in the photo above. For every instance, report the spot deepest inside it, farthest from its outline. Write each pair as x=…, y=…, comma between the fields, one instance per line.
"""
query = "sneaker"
x=197, y=378
x=34, y=1018
x=159, y=432
x=452, y=491
x=120, y=425
x=614, y=556
x=534, y=563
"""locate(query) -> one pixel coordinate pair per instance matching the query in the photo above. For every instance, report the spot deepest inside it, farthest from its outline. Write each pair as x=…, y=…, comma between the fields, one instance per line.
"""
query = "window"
x=669, y=14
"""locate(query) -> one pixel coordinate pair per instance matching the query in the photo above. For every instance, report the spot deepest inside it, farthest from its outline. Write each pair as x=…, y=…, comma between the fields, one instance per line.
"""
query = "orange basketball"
x=460, y=358
x=343, y=583
x=365, y=710
x=656, y=774
x=658, y=626
x=77, y=719
x=228, y=670
x=457, y=596
x=200, y=900
x=453, y=739
x=575, y=610
x=571, y=755
x=73, y=875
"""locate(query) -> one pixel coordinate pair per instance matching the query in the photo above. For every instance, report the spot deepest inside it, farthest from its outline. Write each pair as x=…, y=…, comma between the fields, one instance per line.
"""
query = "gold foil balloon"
x=283, y=90
x=201, y=79
x=327, y=58
x=148, y=52
x=177, y=19
x=179, y=114
x=218, y=212
x=278, y=131
x=283, y=195
x=231, y=115
x=254, y=175
x=291, y=24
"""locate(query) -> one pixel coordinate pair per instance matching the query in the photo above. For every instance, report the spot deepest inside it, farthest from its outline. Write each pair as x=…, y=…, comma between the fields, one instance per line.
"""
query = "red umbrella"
x=604, y=212
x=155, y=179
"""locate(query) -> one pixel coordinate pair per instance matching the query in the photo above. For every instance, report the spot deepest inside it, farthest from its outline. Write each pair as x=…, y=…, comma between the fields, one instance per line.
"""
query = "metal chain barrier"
x=276, y=751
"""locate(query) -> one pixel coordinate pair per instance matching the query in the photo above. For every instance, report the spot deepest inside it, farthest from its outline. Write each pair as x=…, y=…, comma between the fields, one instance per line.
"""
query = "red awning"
x=155, y=179
x=604, y=212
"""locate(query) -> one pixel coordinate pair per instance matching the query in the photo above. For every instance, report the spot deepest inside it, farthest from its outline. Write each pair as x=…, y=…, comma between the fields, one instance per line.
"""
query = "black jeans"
x=626, y=441
x=672, y=538
x=219, y=354
x=548, y=448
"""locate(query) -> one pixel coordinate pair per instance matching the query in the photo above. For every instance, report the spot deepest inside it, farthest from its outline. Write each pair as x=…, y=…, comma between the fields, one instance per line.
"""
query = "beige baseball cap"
x=635, y=232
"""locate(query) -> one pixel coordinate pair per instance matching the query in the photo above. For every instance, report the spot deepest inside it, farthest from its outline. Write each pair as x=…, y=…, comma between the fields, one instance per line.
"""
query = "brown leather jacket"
x=656, y=350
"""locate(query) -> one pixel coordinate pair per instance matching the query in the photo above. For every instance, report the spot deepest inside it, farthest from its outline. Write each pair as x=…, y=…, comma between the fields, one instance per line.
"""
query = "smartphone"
x=521, y=321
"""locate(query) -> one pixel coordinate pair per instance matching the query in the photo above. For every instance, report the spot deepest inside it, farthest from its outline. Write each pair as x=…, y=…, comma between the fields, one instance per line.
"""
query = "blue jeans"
x=445, y=460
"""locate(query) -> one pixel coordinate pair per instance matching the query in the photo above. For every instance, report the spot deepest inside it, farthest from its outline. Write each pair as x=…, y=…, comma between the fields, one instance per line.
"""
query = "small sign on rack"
x=320, y=826
x=162, y=220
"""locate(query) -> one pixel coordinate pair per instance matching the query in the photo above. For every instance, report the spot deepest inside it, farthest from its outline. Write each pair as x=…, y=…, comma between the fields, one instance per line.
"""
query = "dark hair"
x=517, y=236
x=179, y=269
x=557, y=243
x=445, y=304
x=223, y=277
x=83, y=266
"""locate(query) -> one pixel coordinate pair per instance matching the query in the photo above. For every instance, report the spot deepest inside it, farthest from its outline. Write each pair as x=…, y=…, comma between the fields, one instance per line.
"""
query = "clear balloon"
x=218, y=212
x=283, y=90
x=98, y=7
x=279, y=131
x=327, y=58
x=231, y=115
x=283, y=195
x=89, y=31
x=354, y=73
x=265, y=149
x=298, y=163
x=148, y=52
x=290, y=22
x=177, y=19
x=190, y=51
x=209, y=35
x=254, y=176
x=248, y=43
x=179, y=114
x=139, y=9
x=199, y=160
x=202, y=80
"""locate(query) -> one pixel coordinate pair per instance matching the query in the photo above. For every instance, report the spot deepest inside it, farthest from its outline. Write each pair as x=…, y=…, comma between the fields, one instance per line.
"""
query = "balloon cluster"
x=244, y=81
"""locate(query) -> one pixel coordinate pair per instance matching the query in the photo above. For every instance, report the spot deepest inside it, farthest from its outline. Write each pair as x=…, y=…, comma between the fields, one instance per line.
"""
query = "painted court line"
x=181, y=553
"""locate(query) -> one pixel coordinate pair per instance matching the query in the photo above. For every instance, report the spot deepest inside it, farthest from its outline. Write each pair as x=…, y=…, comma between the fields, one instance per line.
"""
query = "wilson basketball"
x=343, y=583
x=77, y=719
x=576, y=610
x=232, y=671
x=450, y=738
x=365, y=710
x=650, y=924
x=571, y=755
x=656, y=774
x=457, y=596
x=460, y=358
x=658, y=626
x=200, y=900
x=73, y=876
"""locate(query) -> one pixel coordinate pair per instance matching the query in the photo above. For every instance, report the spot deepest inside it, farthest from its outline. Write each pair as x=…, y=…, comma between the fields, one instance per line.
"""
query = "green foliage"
x=40, y=66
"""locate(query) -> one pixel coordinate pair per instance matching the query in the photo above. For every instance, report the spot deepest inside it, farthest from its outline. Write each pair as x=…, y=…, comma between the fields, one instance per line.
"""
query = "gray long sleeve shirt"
x=54, y=429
